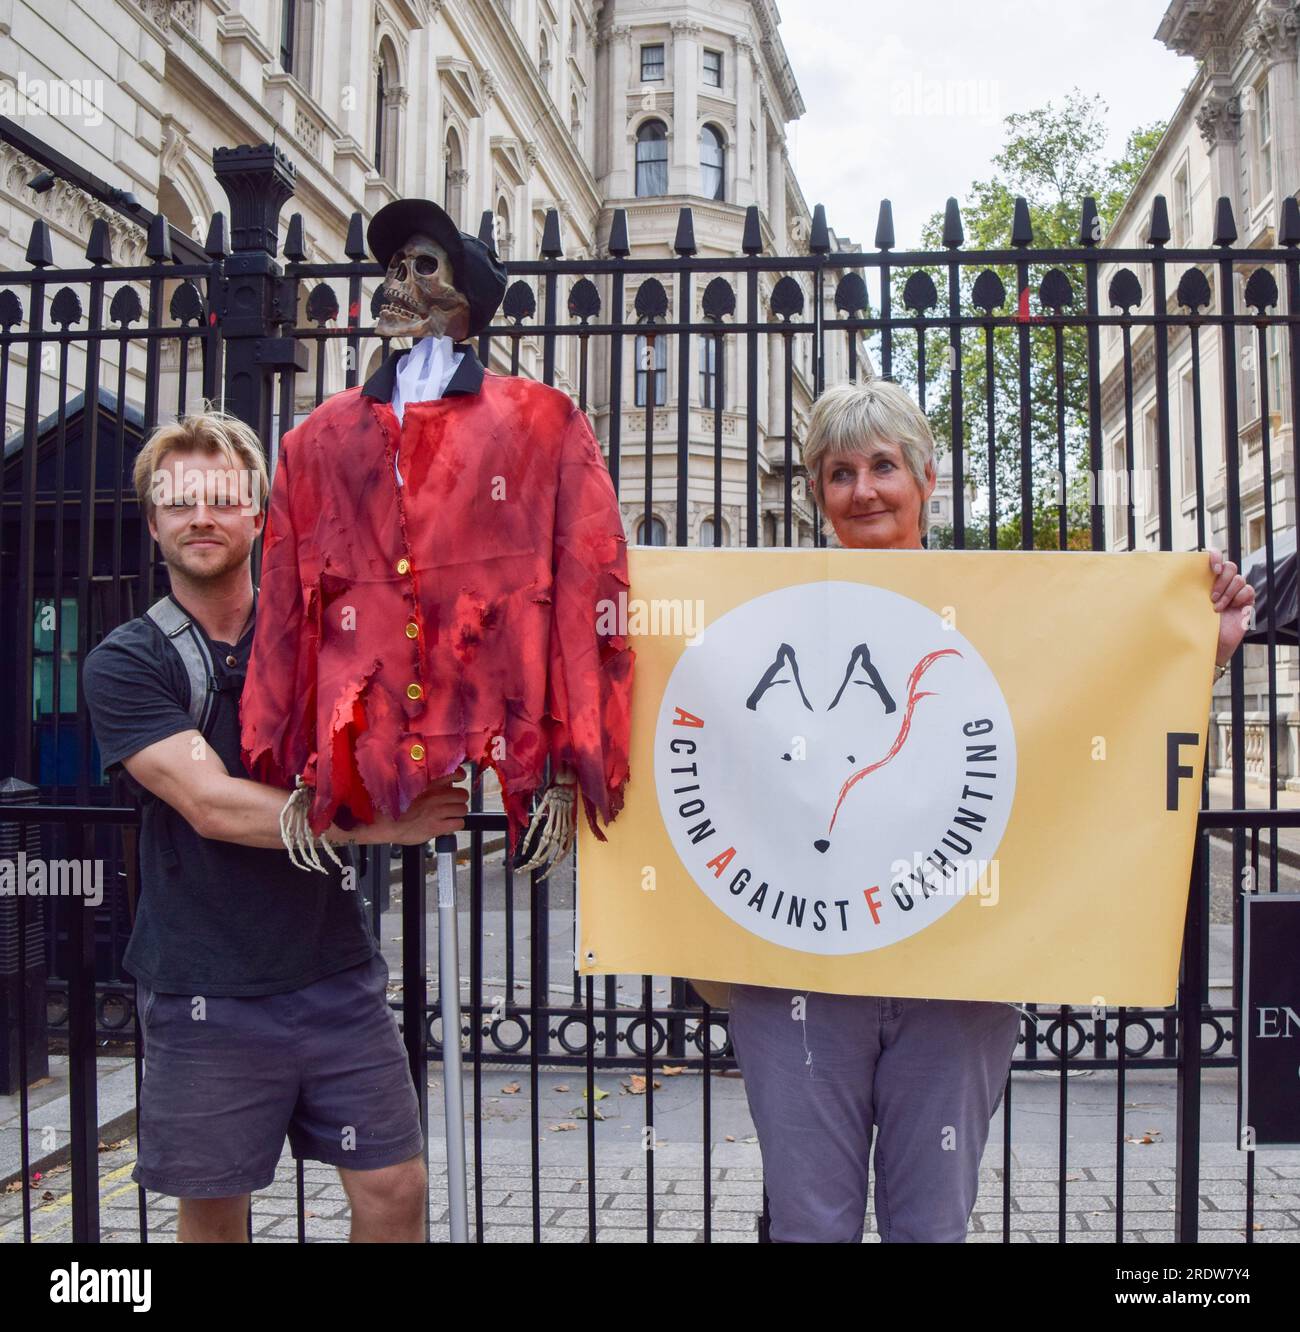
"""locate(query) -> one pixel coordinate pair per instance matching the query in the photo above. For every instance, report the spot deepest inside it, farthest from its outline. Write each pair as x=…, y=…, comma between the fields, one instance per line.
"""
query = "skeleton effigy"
x=439, y=548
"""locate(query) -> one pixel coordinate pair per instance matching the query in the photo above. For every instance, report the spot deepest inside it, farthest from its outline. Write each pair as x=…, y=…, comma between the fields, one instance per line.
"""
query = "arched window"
x=660, y=369
x=655, y=535
x=544, y=58
x=711, y=532
x=713, y=163
x=503, y=233
x=651, y=159
x=454, y=178
x=387, y=100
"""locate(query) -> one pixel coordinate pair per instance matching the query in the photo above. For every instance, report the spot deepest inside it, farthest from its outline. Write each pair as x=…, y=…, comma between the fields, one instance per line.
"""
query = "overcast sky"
x=905, y=101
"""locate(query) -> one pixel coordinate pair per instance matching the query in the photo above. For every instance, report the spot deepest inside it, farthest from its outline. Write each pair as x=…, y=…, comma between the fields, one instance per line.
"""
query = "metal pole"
x=453, y=1087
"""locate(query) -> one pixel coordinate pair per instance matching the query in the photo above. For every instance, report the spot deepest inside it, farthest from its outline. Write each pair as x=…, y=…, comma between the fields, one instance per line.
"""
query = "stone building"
x=1234, y=134
x=499, y=107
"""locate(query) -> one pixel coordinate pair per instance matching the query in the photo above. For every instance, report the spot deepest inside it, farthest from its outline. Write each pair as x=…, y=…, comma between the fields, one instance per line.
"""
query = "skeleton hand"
x=552, y=825
x=296, y=833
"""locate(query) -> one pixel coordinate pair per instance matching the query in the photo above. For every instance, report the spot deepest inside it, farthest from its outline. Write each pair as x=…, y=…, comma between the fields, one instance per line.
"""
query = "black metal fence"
x=92, y=357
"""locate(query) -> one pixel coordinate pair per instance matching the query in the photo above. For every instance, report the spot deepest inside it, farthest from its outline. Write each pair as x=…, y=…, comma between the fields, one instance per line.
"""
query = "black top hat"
x=478, y=273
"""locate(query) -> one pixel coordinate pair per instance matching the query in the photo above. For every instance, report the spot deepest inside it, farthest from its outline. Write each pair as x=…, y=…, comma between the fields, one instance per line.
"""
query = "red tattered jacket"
x=404, y=629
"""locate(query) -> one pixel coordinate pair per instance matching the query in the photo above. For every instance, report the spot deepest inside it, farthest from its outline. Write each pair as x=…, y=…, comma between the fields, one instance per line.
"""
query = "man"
x=261, y=989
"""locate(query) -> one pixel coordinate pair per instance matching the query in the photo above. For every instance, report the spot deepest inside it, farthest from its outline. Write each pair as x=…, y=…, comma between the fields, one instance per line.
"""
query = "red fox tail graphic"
x=904, y=726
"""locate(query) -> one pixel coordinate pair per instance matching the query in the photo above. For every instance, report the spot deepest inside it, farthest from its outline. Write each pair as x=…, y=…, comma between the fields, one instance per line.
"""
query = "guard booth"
x=63, y=750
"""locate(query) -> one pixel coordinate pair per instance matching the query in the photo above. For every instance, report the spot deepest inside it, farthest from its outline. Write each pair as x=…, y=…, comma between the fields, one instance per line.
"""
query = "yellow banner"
x=954, y=775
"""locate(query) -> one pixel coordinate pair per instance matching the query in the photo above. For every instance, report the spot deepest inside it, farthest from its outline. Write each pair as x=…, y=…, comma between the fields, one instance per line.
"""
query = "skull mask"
x=419, y=298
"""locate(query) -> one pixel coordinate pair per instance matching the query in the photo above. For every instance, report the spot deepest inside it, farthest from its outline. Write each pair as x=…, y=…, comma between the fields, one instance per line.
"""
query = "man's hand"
x=440, y=809
x=1232, y=597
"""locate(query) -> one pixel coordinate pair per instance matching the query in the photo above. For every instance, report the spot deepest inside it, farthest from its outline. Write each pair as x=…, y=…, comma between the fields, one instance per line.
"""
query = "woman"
x=822, y=1069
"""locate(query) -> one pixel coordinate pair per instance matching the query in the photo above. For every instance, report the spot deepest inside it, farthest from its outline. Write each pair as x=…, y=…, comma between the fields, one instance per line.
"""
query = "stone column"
x=1219, y=121
x=1272, y=34
x=684, y=159
x=743, y=55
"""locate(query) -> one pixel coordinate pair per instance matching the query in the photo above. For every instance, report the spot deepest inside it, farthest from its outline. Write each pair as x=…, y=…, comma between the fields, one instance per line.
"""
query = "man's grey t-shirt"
x=213, y=917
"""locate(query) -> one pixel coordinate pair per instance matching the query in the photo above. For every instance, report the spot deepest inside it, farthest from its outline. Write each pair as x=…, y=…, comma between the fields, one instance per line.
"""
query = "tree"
x=1053, y=158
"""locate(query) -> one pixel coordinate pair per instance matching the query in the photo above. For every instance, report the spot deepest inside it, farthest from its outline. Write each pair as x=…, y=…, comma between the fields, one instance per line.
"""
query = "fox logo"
x=860, y=671
x=835, y=766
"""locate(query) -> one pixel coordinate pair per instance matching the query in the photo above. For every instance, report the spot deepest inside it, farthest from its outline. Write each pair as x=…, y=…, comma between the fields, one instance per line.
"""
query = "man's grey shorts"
x=226, y=1078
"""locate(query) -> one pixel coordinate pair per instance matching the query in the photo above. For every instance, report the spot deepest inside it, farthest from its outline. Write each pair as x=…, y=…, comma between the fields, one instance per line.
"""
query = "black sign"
x=1268, y=1100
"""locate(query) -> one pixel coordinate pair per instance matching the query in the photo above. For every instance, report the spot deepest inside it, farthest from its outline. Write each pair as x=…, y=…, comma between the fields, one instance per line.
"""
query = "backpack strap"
x=188, y=641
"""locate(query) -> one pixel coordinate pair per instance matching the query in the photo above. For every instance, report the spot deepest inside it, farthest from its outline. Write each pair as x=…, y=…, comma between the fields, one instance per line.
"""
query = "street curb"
x=120, y=1126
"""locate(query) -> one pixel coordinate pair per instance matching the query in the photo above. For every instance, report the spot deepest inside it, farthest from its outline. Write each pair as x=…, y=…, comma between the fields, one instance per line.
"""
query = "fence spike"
x=551, y=247
x=618, y=243
x=355, y=245
x=217, y=245
x=751, y=242
x=158, y=247
x=885, y=226
x=295, y=241
x=684, y=241
x=1225, y=227
x=819, y=238
x=1022, y=231
x=39, y=253
x=953, y=234
x=1158, y=233
x=1089, y=223
x=487, y=230
x=99, y=248
x=1289, y=228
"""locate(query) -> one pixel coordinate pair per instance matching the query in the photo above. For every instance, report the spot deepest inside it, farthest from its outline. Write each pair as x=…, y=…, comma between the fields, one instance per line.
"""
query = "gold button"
x=414, y=691
x=417, y=752
x=412, y=630
x=232, y=660
x=403, y=565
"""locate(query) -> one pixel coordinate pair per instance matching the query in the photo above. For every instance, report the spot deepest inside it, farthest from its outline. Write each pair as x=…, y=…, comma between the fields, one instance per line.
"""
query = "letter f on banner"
x=1174, y=770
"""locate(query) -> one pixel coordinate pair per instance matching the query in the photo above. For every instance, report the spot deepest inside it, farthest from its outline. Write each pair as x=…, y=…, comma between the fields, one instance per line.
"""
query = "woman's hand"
x=1232, y=597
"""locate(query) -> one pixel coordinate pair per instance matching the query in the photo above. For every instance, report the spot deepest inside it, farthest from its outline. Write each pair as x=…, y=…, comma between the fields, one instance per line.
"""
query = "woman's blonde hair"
x=849, y=418
x=208, y=431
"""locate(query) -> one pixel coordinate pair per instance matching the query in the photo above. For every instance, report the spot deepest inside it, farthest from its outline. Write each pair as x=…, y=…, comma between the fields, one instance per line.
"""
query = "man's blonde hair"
x=850, y=418
x=208, y=431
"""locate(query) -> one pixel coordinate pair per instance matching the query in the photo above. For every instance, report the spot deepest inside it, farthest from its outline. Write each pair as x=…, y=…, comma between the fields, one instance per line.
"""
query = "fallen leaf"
x=635, y=1084
x=673, y=1070
x=600, y=1095
x=510, y=1089
x=563, y=1128
x=730, y=1138
x=563, y=1087
x=47, y=1196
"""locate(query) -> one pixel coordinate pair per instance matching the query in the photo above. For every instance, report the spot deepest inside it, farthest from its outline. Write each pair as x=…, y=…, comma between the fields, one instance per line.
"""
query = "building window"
x=655, y=535
x=1264, y=123
x=544, y=58
x=935, y=506
x=575, y=118
x=713, y=163
x=651, y=159
x=711, y=533
x=1187, y=432
x=381, y=114
x=454, y=177
x=1273, y=344
x=709, y=396
x=652, y=64
x=660, y=369
x=289, y=17
x=1182, y=209
x=387, y=101
x=713, y=68
x=502, y=226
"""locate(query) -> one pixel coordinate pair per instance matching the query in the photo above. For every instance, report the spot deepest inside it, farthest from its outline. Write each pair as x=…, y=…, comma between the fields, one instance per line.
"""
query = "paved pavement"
x=558, y=1124
x=620, y=1181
